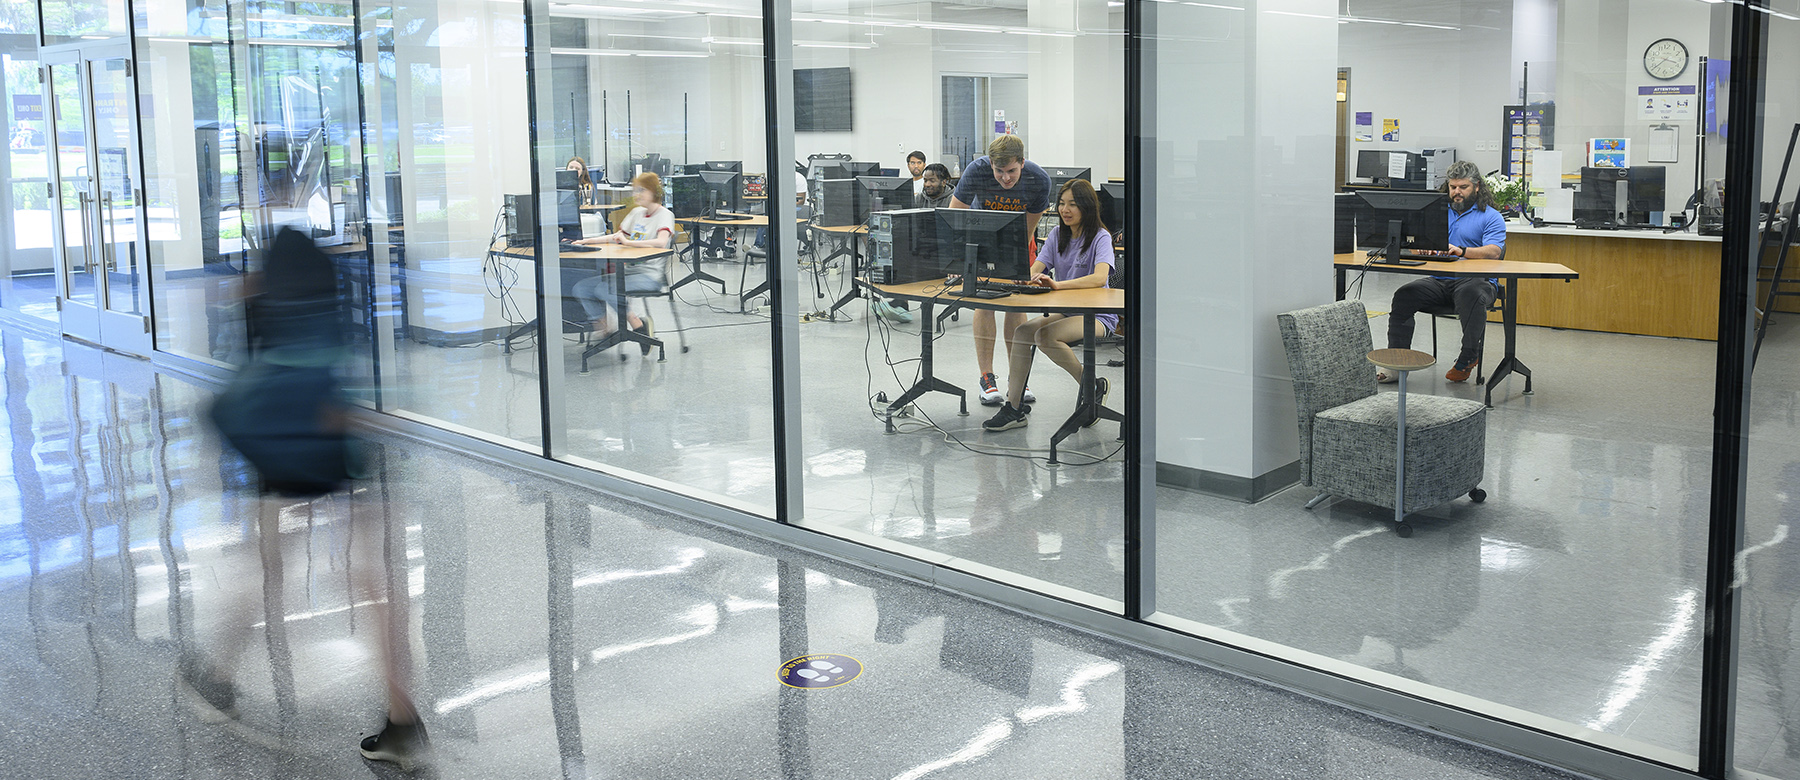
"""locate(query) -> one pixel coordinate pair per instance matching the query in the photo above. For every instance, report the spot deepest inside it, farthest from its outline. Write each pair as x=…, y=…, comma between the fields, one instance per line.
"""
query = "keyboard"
x=570, y=246
x=1012, y=287
x=726, y=216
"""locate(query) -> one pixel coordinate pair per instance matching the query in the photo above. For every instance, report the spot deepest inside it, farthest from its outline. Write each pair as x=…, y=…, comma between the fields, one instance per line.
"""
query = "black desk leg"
x=697, y=275
x=621, y=332
x=855, y=270
x=1340, y=283
x=927, y=381
x=1509, y=318
x=1088, y=405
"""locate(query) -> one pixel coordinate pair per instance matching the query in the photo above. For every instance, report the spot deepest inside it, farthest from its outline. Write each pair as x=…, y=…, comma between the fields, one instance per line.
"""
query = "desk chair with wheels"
x=1449, y=312
x=671, y=265
x=1348, y=429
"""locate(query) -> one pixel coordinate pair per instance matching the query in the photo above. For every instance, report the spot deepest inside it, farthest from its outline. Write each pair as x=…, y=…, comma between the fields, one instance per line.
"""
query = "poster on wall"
x=1527, y=128
x=1667, y=103
x=1365, y=125
x=1390, y=130
x=1609, y=153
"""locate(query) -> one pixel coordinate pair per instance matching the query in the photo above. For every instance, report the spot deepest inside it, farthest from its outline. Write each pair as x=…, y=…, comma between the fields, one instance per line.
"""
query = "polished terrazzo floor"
x=554, y=632
x=1573, y=593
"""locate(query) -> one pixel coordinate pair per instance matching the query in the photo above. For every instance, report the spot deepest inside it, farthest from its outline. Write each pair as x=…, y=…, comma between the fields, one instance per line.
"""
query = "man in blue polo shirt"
x=1477, y=232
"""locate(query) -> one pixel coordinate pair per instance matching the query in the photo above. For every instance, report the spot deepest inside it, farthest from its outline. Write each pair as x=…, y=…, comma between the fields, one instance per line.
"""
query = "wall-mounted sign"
x=1667, y=103
x=28, y=108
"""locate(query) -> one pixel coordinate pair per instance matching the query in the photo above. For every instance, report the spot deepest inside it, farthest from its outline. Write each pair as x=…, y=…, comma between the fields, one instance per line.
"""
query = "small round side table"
x=1404, y=361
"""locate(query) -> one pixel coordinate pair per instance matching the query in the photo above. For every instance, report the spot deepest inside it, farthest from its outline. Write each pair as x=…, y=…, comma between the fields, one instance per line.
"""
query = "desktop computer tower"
x=904, y=246
x=521, y=221
x=841, y=202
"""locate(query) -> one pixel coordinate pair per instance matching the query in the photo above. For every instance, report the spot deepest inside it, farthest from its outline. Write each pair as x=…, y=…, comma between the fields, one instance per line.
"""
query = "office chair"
x=1348, y=428
x=1449, y=313
x=671, y=266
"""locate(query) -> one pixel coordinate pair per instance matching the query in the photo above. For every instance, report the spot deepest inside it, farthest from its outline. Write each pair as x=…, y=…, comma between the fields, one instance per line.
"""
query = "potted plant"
x=1509, y=194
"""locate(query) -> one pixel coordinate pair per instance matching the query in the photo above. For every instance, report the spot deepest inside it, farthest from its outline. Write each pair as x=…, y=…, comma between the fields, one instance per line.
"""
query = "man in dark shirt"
x=934, y=192
x=1002, y=181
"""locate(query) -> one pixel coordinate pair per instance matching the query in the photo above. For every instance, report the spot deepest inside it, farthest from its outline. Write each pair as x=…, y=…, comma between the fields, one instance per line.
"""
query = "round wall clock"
x=1665, y=59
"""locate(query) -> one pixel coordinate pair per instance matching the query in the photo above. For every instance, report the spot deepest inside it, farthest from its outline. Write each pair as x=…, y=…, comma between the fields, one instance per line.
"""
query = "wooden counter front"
x=1629, y=284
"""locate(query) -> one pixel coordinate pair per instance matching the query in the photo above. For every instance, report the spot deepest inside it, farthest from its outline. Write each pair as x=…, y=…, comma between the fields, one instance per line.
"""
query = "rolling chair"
x=671, y=266
x=1348, y=427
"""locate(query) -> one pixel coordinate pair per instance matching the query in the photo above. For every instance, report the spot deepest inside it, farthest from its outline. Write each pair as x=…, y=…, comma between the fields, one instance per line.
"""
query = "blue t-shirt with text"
x=1030, y=194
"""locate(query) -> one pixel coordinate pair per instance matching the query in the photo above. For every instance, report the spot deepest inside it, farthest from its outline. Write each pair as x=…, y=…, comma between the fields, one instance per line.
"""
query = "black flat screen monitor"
x=692, y=169
x=999, y=240
x=894, y=192
x=1403, y=221
x=841, y=203
x=568, y=205
x=1375, y=165
x=725, y=190
x=735, y=166
x=1112, y=207
x=687, y=196
x=862, y=168
x=1061, y=176
x=1646, y=193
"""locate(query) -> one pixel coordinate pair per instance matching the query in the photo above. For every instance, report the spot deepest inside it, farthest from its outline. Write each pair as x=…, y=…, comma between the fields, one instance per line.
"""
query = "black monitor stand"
x=1393, y=241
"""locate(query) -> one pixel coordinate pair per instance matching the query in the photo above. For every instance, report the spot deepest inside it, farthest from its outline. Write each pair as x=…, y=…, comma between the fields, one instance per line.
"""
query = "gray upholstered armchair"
x=1347, y=429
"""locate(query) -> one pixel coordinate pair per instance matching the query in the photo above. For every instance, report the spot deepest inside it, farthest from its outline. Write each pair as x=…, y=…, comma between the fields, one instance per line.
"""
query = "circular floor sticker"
x=824, y=670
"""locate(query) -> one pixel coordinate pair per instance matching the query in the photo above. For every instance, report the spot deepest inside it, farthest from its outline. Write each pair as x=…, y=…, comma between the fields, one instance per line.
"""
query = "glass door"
x=99, y=250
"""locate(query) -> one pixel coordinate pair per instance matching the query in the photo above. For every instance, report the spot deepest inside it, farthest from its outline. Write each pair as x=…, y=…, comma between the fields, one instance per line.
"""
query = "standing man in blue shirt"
x=1001, y=181
x=1477, y=231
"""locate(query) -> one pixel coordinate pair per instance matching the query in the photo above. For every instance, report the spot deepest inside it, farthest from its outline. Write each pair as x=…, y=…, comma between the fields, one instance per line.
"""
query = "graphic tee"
x=1031, y=194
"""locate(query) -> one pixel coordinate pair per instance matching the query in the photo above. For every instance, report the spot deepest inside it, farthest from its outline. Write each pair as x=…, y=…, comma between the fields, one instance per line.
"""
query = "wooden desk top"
x=603, y=252
x=1510, y=269
x=1093, y=300
x=1401, y=359
x=755, y=220
x=756, y=197
x=854, y=229
x=588, y=208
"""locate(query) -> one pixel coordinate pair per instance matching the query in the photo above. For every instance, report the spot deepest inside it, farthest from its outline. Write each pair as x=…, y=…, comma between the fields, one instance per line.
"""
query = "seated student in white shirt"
x=915, y=165
x=649, y=225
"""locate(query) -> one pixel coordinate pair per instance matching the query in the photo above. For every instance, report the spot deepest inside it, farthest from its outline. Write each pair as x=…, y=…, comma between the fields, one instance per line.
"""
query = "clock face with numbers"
x=1665, y=59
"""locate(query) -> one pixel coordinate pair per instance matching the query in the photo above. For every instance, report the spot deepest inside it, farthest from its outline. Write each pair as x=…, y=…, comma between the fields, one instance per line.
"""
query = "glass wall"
x=924, y=463
x=1571, y=599
x=1550, y=568
x=663, y=113
x=458, y=329
x=1768, y=701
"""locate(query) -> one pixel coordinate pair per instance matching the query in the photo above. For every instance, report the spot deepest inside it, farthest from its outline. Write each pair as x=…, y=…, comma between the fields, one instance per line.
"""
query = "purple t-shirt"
x=1030, y=194
x=1079, y=261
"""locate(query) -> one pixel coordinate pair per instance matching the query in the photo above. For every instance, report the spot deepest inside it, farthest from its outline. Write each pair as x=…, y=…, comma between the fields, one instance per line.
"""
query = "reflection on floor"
x=1574, y=592
x=556, y=632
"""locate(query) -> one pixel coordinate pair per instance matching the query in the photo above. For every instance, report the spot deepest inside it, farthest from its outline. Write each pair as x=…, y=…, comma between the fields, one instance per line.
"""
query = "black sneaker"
x=1101, y=388
x=649, y=331
x=1008, y=418
x=402, y=744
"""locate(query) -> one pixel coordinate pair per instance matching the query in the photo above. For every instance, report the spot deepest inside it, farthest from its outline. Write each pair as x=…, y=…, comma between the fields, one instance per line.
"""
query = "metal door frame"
x=122, y=331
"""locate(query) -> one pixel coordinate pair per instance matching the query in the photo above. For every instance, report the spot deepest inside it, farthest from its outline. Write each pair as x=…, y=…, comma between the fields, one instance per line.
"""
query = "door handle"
x=107, y=250
x=82, y=201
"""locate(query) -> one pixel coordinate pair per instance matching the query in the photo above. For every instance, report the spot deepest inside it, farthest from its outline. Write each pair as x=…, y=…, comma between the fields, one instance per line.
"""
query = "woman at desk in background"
x=649, y=225
x=584, y=182
x=1077, y=255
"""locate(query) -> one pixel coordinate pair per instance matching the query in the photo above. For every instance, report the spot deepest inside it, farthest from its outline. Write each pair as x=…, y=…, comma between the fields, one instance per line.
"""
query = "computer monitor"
x=1112, y=207
x=1346, y=207
x=841, y=203
x=687, y=196
x=568, y=205
x=889, y=172
x=1403, y=222
x=893, y=192
x=693, y=169
x=1061, y=176
x=1377, y=165
x=396, y=202
x=983, y=243
x=734, y=166
x=862, y=168
x=1621, y=196
x=725, y=191
x=1647, y=194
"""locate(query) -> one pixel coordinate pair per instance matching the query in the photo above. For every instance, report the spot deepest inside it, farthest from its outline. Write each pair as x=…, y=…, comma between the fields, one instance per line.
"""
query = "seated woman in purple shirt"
x=1077, y=254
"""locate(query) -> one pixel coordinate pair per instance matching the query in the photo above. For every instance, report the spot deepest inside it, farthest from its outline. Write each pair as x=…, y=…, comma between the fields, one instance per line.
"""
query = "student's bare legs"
x=1051, y=334
x=982, y=322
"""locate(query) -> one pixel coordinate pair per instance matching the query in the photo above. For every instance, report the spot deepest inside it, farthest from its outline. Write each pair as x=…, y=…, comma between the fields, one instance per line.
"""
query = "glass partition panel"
x=27, y=282
x=660, y=135
x=1548, y=565
x=916, y=437
x=64, y=21
x=446, y=99
x=1768, y=698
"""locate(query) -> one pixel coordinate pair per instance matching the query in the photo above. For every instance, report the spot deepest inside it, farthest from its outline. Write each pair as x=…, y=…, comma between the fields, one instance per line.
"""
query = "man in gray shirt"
x=934, y=193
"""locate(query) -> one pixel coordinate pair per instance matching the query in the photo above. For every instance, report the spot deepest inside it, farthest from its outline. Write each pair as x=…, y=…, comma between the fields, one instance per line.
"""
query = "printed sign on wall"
x=1667, y=103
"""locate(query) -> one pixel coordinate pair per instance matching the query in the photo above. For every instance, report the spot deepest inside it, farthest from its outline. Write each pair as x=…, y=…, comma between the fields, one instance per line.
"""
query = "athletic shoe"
x=891, y=314
x=649, y=331
x=1029, y=397
x=402, y=744
x=1387, y=378
x=1463, y=368
x=990, y=391
x=1101, y=388
x=1008, y=418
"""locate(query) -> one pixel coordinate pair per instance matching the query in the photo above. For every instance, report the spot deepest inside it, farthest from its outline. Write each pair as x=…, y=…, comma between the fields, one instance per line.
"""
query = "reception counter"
x=1644, y=282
